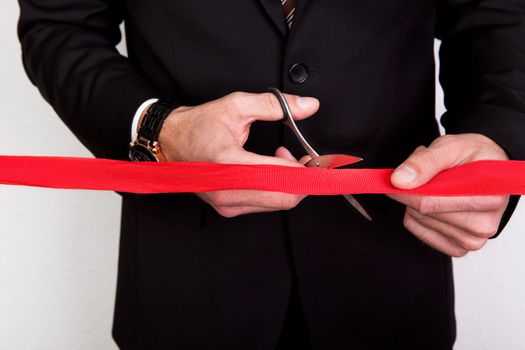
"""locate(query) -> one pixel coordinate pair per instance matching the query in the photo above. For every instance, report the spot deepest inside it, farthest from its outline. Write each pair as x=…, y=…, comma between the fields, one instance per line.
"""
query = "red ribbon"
x=472, y=179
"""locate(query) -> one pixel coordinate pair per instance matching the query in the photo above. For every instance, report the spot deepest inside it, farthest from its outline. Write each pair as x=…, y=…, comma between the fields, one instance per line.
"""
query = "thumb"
x=265, y=106
x=301, y=107
x=422, y=165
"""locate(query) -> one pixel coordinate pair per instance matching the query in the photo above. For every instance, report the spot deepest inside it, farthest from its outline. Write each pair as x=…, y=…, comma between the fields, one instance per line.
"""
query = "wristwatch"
x=146, y=147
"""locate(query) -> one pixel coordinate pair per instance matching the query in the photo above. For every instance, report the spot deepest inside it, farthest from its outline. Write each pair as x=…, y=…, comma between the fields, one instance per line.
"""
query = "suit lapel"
x=275, y=10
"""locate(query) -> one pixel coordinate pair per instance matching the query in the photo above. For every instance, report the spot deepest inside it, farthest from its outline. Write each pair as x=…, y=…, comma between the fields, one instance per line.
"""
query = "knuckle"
x=435, y=158
x=473, y=243
x=486, y=229
x=458, y=253
x=465, y=205
x=272, y=102
x=426, y=205
x=219, y=199
x=501, y=201
x=226, y=212
x=421, y=234
x=287, y=202
x=497, y=202
x=236, y=96
x=234, y=101
x=293, y=202
x=480, y=142
x=409, y=223
x=445, y=140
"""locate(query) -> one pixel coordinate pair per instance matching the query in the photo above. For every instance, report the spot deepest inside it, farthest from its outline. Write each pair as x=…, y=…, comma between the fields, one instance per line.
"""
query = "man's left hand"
x=452, y=225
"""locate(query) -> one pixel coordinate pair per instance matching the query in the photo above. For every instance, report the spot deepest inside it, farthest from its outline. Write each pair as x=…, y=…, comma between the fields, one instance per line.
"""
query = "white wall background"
x=58, y=249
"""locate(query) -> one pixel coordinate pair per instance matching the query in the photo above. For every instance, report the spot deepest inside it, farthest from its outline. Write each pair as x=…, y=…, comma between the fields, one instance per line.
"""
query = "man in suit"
x=253, y=270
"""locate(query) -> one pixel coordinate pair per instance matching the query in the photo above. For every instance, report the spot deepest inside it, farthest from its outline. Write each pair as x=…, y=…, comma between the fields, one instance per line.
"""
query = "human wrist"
x=171, y=134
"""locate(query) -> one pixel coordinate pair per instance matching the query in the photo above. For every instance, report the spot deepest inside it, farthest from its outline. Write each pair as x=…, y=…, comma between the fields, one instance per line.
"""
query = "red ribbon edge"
x=479, y=178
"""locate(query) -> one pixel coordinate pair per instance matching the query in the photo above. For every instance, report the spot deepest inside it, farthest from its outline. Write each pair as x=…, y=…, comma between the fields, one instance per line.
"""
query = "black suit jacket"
x=189, y=278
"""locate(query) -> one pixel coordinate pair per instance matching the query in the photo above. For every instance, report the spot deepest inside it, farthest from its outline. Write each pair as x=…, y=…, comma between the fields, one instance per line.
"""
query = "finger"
x=429, y=205
x=231, y=209
x=241, y=156
x=283, y=152
x=265, y=106
x=305, y=159
x=481, y=224
x=230, y=212
x=263, y=199
x=423, y=164
x=461, y=237
x=433, y=238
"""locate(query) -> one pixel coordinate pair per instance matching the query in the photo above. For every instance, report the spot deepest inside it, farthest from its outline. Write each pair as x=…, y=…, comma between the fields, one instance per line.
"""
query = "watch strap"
x=154, y=118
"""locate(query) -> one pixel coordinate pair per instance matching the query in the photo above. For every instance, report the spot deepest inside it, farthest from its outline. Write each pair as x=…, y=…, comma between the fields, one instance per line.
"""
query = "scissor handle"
x=287, y=112
x=288, y=120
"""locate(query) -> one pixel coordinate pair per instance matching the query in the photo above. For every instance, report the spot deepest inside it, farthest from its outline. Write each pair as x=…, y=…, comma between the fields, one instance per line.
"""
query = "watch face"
x=139, y=153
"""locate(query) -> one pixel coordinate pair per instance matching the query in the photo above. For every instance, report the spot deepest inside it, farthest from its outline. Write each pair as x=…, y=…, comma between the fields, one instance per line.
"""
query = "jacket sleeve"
x=68, y=49
x=482, y=59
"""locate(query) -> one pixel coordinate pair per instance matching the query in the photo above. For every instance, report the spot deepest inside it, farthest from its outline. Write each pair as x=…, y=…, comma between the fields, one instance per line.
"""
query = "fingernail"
x=405, y=174
x=306, y=102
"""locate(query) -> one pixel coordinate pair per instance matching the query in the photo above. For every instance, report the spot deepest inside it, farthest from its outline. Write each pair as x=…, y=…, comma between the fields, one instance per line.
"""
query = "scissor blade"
x=357, y=206
x=331, y=161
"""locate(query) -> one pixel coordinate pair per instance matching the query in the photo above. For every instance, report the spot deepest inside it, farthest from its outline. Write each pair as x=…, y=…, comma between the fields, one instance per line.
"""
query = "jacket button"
x=298, y=73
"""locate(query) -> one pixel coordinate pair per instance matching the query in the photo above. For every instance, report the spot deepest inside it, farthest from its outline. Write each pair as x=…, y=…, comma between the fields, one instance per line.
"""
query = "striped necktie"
x=289, y=10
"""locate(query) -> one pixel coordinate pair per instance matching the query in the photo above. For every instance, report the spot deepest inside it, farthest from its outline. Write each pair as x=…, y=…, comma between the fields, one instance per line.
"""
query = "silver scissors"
x=325, y=161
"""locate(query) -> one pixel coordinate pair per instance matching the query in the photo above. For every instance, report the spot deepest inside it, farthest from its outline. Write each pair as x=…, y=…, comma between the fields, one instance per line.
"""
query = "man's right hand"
x=217, y=131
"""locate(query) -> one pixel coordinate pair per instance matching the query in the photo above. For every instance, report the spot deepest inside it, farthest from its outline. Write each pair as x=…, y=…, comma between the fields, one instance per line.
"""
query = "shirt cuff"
x=138, y=114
